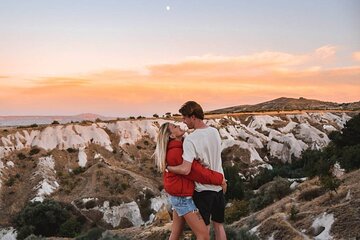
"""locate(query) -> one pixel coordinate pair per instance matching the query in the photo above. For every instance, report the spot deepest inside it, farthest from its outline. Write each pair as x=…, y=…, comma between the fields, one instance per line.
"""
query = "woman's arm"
x=204, y=175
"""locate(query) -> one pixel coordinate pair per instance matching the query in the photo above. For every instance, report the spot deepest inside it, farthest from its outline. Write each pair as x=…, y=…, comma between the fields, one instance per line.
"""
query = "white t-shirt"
x=204, y=144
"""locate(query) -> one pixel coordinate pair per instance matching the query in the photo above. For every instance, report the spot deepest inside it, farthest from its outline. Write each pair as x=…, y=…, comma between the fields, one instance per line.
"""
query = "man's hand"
x=224, y=185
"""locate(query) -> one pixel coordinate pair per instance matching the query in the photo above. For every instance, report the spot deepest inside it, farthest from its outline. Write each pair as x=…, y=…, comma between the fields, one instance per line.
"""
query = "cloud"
x=214, y=81
x=326, y=52
x=356, y=56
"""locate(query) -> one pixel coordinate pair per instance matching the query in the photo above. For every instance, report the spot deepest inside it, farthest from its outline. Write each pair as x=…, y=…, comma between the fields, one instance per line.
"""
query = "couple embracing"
x=193, y=174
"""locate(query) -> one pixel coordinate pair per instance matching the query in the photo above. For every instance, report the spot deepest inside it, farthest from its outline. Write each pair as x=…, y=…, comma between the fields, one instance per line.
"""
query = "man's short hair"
x=192, y=108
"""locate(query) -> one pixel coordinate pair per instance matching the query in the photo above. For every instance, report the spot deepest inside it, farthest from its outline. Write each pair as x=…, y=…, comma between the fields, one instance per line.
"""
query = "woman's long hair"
x=161, y=146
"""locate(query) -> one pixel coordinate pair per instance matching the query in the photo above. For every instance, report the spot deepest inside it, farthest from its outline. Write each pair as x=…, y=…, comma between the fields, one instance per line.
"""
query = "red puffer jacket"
x=183, y=185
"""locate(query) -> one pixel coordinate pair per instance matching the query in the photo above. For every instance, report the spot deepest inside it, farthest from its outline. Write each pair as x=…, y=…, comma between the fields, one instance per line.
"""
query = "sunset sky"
x=140, y=57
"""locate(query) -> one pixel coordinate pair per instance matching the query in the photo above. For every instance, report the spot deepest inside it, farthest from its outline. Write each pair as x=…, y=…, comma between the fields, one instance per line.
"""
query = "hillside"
x=320, y=215
x=289, y=104
x=104, y=170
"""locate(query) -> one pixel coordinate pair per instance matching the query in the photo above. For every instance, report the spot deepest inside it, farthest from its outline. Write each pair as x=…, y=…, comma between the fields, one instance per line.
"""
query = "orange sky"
x=213, y=81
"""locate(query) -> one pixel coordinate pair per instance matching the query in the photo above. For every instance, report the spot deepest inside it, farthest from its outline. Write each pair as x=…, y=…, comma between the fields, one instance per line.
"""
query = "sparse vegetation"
x=239, y=234
x=293, y=212
x=78, y=170
x=11, y=181
x=330, y=183
x=34, y=151
x=311, y=194
x=55, y=122
x=92, y=234
x=21, y=156
x=238, y=209
x=145, y=203
x=71, y=150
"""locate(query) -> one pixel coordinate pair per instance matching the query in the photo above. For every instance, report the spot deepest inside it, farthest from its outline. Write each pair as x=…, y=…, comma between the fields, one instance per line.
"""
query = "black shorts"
x=211, y=204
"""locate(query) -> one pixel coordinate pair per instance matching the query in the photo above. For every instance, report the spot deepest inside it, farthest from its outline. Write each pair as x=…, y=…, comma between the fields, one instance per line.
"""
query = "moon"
x=167, y=8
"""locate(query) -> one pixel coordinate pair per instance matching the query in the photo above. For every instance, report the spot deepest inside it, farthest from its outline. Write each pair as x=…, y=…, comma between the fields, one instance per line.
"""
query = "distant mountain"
x=28, y=120
x=288, y=104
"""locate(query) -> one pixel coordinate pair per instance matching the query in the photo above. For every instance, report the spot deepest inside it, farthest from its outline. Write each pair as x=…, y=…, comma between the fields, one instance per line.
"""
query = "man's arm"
x=183, y=169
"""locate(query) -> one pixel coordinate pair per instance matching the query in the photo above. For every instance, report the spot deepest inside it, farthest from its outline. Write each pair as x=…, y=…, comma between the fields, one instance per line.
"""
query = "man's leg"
x=219, y=231
x=218, y=215
x=203, y=202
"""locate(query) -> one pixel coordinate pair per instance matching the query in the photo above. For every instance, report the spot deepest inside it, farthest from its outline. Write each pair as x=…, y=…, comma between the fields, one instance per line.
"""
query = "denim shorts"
x=182, y=205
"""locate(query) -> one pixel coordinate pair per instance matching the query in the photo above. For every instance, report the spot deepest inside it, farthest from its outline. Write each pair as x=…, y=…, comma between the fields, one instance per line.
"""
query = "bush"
x=55, y=123
x=92, y=234
x=10, y=181
x=78, y=170
x=259, y=202
x=350, y=157
x=21, y=156
x=239, y=234
x=34, y=125
x=34, y=237
x=236, y=186
x=311, y=194
x=330, y=183
x=237, y=210
x=71, y=150
x=293, y=212
x=70, y=228
x=350, y=133
x=145, y=205
x=279, y=188
x=108, y=236
x=41, y=219
x=263, y=177
x=34, y=151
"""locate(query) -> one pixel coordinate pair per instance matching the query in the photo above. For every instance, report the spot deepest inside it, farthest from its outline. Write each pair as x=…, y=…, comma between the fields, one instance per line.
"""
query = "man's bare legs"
x=219, y=231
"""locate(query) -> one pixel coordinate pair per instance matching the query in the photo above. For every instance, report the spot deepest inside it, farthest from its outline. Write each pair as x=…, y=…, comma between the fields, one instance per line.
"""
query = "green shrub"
x=41, y=219
x=92, y=234
x=108, y=236
x=259, y=202
x=55, y=122
x=236, y=186
x=350, y=157
x=78, y=170
x=34, y=237
x=71, y=150
x=279, y=188
x=311, y=194
x=239, y=234
x=330, y=183
x=34, y=151
x=10, y=181
x=70, y=228
x=293, y=212
x=238, y=209
x=350, y=133
x=21, y=156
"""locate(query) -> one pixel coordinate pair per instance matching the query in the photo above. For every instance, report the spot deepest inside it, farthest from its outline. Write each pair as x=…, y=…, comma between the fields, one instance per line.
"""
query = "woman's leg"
x=197, y=225
x=177, y=226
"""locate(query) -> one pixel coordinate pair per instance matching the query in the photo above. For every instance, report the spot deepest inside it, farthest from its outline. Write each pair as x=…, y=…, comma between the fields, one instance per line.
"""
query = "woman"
x=181, y=187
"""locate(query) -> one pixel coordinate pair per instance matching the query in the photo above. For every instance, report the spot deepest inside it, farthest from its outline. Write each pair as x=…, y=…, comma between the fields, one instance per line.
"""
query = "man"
x=203, y=144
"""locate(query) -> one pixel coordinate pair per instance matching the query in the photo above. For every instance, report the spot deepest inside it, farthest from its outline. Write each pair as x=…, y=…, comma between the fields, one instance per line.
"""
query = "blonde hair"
x=161, y=146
